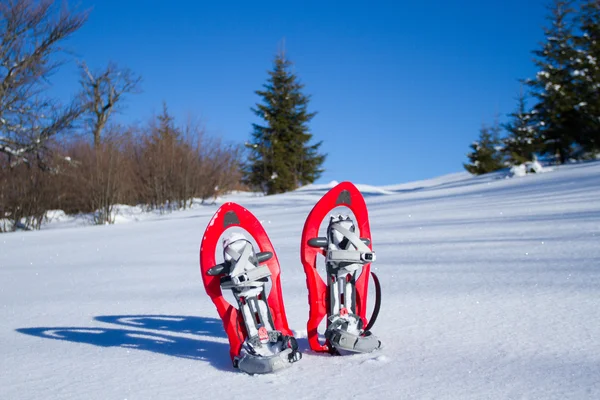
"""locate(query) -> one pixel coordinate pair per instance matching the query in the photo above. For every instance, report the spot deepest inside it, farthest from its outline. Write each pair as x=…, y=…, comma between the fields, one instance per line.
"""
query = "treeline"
x=75, y=157
x=161, y=166
x=564, y=121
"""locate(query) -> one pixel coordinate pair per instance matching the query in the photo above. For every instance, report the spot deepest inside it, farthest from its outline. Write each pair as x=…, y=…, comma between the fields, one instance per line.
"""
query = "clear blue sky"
x=401, y=88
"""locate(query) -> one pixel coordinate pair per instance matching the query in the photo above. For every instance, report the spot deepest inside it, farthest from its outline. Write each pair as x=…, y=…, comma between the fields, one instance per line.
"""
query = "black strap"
x=377, y=302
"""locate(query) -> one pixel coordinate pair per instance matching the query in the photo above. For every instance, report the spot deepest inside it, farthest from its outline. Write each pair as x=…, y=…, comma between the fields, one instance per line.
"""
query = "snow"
x=365, y=189
x=56, y=216
x=490, y=291
x=518, y=170
x=528, y=168
x=553, y=86
x=543, y=74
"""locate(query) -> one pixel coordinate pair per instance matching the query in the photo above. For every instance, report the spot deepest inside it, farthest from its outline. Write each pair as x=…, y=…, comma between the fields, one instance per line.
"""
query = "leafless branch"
x=31, y=33
x=101, y=93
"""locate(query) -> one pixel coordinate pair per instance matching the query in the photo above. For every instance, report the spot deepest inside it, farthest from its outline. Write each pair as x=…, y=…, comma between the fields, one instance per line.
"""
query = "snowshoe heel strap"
x=322, y=242
x=352, y=256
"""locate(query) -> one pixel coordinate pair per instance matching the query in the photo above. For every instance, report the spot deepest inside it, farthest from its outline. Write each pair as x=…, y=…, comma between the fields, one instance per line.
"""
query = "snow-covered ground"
x=491, y=290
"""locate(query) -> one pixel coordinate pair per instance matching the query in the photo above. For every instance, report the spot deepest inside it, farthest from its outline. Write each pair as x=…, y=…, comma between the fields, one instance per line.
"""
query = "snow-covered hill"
x=491, y=290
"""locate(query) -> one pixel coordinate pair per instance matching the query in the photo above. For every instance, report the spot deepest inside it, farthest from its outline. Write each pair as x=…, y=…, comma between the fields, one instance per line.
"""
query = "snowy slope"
x=491, y=291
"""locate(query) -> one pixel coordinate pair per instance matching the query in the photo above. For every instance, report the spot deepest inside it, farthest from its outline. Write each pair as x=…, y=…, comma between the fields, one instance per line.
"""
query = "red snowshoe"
x=347, y=249
x=259, y=337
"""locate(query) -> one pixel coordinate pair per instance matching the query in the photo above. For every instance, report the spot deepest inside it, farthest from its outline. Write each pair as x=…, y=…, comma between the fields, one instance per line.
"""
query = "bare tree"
x=220, y=168
x=30, y=36
x=100, y=176
x=101, y=91
x=26, y=193
x=175, y=164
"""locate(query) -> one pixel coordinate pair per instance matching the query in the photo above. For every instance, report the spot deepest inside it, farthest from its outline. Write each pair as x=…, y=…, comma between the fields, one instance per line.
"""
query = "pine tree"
x=521, y=144
x=587, y=76
x=486, y=155
x=281, y=158
x=556, y=113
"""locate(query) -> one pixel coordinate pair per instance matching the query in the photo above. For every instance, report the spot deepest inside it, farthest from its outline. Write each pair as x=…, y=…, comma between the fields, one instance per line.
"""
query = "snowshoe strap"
x=323, y=242
x=352, y=237
x=240, y=261
x=351, y=256
x=247, y=278
x=225, y=267
x=377, y=302
x=244, y=270
x=362, y=254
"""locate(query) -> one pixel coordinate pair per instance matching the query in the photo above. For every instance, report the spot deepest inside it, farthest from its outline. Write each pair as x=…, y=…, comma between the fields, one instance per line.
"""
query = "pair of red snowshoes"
x=259, y=336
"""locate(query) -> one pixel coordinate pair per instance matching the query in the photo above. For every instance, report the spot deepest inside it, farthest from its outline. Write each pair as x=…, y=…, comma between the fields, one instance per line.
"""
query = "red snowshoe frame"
x=231, y=215
x=347, y=195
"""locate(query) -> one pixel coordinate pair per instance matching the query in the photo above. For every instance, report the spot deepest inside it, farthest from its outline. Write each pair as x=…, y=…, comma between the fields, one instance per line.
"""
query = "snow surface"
x=528, y=168
x=491, y=290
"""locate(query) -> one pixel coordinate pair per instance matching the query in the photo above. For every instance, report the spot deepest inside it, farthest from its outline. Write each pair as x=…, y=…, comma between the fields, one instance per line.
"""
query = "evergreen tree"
x=521, y=144
x=486, y=155
x=281, y=158
x=556, y=112
x=587, y=76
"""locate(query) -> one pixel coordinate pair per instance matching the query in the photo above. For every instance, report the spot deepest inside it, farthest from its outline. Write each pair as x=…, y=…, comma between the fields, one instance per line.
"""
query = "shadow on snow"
x=140, y=333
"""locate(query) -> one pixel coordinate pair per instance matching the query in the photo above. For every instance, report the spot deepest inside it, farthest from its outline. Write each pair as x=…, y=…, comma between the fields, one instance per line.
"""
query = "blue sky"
x=401, y=88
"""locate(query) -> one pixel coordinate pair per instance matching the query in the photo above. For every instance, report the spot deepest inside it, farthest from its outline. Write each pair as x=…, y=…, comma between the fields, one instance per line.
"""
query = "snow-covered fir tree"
x=281, y=158
x=556, y=112
x=587, y=76
x=521, y=143
x=486, y=154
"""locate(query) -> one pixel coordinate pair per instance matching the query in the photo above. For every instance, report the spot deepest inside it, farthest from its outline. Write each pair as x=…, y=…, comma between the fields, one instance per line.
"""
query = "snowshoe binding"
x=348, y=255
x=259, y=337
